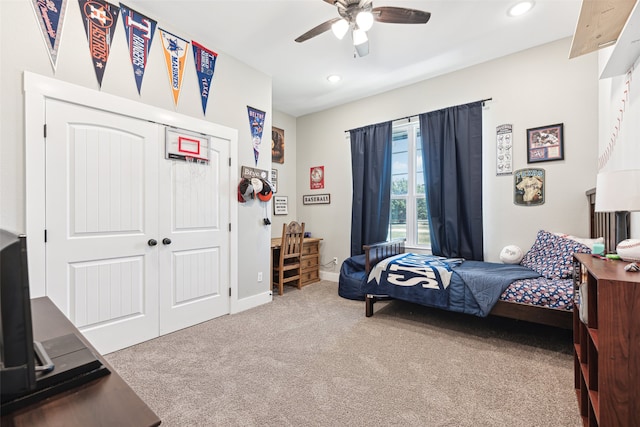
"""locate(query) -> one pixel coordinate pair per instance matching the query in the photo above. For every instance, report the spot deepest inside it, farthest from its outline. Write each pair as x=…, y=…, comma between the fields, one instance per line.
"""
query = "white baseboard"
x=332, y=277
x=251, y=302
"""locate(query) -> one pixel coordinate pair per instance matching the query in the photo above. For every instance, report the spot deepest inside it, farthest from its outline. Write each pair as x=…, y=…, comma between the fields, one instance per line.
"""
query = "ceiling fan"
x=358, y=16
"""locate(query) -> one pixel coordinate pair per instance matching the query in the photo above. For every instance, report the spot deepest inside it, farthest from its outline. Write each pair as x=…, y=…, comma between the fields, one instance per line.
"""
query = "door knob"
x=152, y=242
x=166, y=241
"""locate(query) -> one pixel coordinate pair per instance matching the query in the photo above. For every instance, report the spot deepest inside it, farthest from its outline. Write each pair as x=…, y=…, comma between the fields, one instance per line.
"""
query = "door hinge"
x=229, y=291
x=229, y=227
x=229, y=161
x=45, y=235
x=44, y=130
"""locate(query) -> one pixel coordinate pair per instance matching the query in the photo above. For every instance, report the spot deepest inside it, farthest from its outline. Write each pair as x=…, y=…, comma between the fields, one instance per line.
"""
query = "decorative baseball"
x=629, y=250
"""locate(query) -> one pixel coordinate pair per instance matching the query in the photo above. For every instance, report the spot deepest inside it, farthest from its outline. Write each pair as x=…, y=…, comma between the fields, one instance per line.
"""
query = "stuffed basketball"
x=511, y=254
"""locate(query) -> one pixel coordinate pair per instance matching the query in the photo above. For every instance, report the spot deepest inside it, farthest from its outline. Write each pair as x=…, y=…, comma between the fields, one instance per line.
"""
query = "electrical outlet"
x=259, y=276
x=335, y=260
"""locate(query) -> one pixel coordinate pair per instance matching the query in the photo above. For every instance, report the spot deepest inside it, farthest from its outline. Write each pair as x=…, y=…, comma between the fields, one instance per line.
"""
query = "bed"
x=538, y=290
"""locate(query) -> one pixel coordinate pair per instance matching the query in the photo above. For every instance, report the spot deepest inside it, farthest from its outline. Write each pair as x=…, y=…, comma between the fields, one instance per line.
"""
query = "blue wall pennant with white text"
x=256, y=121
x=50, y=16
x=100, y=19
x=139, y=31
x=205, y=61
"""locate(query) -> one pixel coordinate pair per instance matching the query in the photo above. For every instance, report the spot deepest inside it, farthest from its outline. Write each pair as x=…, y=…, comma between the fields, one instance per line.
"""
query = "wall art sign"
x=277, y=145
x=504, y=149
x=316, y=199
x=274, y=180
x=316, y=178
x=528, y=187
x=99, y=19
x=205, y=62
x=545, y=143
x=139, y=31
x=280, y=205
x=175, y=54
x=256, y=123
x=50, y=16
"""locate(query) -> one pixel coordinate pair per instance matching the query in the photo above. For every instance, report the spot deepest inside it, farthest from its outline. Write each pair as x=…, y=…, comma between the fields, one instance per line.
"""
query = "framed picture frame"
x=545, y=143
x=280, y=205
x=277, y=145
x=528, y=187
x=316, y=199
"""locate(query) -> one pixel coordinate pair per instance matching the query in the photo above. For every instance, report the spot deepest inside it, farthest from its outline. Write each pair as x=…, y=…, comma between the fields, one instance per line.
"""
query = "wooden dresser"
x=310, y=259
x=607, y=346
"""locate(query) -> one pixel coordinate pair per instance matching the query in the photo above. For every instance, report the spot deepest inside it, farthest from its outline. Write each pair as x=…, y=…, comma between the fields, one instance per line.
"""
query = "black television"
x=17, y=361
x=28, y=370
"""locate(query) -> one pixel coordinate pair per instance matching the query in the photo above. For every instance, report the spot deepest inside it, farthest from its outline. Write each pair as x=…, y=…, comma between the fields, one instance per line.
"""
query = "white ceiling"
x=261, y=33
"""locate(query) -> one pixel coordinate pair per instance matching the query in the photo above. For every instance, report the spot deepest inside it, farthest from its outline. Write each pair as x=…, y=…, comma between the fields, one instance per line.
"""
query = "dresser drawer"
x=310, y=249
x=309, y=262
x=309, y=276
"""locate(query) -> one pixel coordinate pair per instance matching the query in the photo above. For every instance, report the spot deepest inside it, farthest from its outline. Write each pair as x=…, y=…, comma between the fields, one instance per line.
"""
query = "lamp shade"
x=340, y=28
x=618, y=191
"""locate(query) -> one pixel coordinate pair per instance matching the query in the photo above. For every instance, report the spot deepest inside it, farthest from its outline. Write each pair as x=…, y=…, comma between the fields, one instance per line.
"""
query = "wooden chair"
x=286, y=268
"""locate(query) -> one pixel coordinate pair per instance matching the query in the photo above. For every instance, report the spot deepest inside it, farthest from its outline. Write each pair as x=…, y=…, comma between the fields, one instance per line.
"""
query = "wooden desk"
x=106, y=401
x=310, y=259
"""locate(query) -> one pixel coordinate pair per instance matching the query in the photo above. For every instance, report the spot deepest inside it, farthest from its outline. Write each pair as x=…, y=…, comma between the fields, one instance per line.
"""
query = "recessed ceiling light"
x=334, y=78
x=520, y=8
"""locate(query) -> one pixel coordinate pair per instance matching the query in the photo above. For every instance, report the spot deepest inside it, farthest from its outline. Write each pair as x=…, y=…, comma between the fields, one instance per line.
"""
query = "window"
x=408, y=217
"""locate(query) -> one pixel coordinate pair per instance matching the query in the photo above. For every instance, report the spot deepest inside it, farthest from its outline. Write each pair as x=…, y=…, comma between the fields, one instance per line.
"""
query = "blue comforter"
x=471, y=287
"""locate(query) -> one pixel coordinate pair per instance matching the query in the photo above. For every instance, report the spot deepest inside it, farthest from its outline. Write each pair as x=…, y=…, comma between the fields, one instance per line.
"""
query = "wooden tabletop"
x=106, y=401
x=277, y=241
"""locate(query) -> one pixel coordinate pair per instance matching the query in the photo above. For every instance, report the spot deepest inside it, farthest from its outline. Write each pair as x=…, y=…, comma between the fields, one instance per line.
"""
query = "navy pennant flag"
x=99, y=18
x=139, y=30
x=205, y=61
x=256, y=120
x=50, y=16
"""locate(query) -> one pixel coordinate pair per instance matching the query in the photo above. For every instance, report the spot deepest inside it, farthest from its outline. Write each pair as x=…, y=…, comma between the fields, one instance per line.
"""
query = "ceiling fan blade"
x=325, y=26
x=362, y=49
x=400, y=15
x=336, y=3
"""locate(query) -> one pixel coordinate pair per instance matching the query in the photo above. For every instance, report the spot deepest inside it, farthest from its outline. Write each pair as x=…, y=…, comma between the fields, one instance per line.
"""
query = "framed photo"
x=277, y=145
x=274, y=180
x=316, y=178
x=528, y=187
x=280, y=206
x=545, y=143
x=316, y=199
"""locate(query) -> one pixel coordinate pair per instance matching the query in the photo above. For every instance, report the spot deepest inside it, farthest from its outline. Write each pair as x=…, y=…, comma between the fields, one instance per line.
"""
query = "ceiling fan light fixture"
x=520, y=8
x=340, y=28
x=364, y=20
x=359, y=37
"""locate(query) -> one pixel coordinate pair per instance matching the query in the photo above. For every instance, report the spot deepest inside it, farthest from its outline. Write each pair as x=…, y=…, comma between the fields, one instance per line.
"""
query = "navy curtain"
x=452, y=160
x=371, y=170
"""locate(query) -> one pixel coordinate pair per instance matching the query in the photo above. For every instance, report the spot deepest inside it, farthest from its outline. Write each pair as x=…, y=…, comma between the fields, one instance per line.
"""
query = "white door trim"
x=37, y=89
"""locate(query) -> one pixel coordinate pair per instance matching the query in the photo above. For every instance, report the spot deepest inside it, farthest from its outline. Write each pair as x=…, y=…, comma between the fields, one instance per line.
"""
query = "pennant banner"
x=175, y=53
x=256, y=120
x=100, y=19
x=139, y=31
x=205, y=61
x=50, y=16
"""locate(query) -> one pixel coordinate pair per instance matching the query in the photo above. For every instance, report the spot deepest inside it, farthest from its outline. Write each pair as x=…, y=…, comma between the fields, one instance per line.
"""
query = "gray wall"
x=532, y=88
x=234, y=86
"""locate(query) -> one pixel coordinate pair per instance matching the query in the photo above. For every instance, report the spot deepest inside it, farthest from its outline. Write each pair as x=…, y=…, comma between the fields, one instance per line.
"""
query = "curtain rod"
x=415, y=115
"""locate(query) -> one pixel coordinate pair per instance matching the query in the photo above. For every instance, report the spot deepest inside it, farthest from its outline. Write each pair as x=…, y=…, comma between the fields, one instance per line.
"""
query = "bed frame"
x=601, y=224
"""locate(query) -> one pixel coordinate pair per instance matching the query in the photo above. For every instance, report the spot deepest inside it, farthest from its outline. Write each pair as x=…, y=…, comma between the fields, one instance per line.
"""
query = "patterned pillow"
x=552, y=256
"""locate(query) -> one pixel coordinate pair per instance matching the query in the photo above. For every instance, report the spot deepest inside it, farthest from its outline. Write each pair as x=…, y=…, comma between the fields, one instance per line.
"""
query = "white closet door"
x=194, y=266
x=101, y=217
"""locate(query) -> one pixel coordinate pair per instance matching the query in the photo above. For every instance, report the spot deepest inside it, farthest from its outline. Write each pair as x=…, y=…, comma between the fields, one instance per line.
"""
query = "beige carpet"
x=311, y=358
